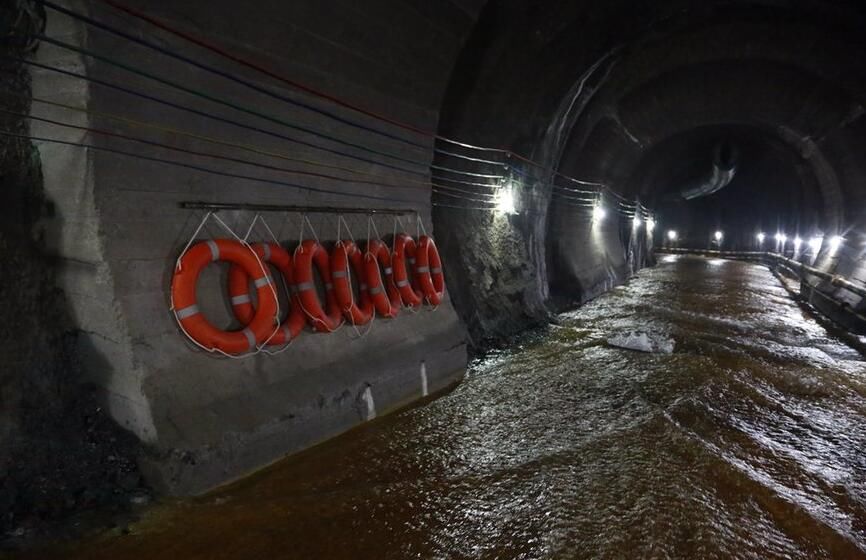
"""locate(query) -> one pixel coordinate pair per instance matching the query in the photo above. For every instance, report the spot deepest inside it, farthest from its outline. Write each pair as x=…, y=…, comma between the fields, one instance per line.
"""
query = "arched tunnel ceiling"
x=676, y=65
x=774, y=102
x=799, y=82
x=778, y=185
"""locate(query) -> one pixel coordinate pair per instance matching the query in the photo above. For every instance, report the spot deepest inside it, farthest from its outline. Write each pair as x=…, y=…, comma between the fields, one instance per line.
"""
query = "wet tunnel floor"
x=748, y=441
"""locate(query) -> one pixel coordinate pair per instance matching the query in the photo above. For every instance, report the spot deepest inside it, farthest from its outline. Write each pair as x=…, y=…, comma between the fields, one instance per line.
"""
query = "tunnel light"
x=835, y=243
x=797, y=243
x=650, y=225
x=781, y=238
x=505, y=201
x=815, y=243
x=672, y=235
x=718, y=235
x=598, y=213
x=636, y=221
x=761, y=237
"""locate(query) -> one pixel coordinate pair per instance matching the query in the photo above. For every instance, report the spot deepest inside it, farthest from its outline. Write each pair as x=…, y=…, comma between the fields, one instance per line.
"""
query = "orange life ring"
x=185, y=302
x=242, y=305
x=383, y=292
x=346, y=253
x=404, y=251
x=428, y=270
x=309, y=252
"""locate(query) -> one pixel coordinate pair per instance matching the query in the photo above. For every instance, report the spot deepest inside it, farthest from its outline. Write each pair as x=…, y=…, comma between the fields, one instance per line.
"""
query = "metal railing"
x=797, y=266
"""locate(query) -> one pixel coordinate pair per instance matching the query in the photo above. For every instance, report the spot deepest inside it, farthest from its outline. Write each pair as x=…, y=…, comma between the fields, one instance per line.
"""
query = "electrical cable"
x=167, y=52
x=202, y=169
x=483, y=201
x=576, y=192
x=575, y=198
x=220, y=157
x=468, y=158
x=318, y=93
x=226, y=103
x=455, y=189
x=186, y=134
x=582, y=191
x=485, y=208
x=426, y=185
x=467, y=173
x=245, y=147
x=213, y=48
x=469, y=183
x=237, y=107
x=578, y=181
x=205, y=114
x=201, y=154
x=310, y=131
x=175, y=131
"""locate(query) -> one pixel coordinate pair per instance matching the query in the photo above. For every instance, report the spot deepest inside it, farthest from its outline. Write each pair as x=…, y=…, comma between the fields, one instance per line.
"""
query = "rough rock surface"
x=60, y=455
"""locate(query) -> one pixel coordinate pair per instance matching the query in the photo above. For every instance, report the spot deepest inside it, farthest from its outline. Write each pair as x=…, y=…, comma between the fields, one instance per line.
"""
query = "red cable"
x=210, y=155
x=211, y=47
x=313, y=91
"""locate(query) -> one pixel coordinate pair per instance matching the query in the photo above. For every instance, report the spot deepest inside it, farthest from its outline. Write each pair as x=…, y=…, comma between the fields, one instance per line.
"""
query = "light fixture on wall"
x=797, y=243
x=718, y=236
x=835, y=242
x=761, y=237
x=598, y=213
x=636, y=221
x=672, y=235
x=650, y=225
x=505, y=200
x=815, y=244
x=782, y=238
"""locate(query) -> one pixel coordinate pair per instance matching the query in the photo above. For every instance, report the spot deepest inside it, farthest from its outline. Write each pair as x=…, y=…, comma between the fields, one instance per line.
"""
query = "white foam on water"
x=642, y=342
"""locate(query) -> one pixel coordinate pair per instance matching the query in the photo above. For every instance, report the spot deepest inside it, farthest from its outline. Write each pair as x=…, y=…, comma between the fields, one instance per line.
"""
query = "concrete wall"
x=118, y=228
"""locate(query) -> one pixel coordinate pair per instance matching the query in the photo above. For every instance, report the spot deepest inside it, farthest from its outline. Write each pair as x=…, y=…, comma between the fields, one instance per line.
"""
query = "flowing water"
x=748, y=441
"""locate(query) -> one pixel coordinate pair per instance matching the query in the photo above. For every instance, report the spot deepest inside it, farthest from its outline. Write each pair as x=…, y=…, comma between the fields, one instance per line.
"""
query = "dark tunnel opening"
x=781, y=190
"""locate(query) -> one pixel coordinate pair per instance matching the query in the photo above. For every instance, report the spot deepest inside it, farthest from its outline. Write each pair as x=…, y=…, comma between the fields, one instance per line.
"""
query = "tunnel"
x=643, y=99
x=322, y=279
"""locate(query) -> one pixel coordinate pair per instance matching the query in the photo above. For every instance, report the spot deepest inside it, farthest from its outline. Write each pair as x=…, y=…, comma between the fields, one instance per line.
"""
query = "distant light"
x=505, y=201
x=761, y=237
x=797, y=243
x=672, y=235
x=650, y=224
x=636, y=221
x=781, y=238
x=598, y=213
x=835, y=243
x=815, y=243
x=718, y=235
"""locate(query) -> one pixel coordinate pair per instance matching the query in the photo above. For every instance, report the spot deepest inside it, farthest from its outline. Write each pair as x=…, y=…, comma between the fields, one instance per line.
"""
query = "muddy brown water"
x=748, y=441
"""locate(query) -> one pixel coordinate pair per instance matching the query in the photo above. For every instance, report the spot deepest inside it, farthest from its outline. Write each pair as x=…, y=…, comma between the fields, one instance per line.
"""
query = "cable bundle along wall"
x=500, y=169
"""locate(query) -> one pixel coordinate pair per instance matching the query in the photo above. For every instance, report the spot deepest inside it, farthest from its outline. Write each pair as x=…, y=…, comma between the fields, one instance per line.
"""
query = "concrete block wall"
x=118, y=227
